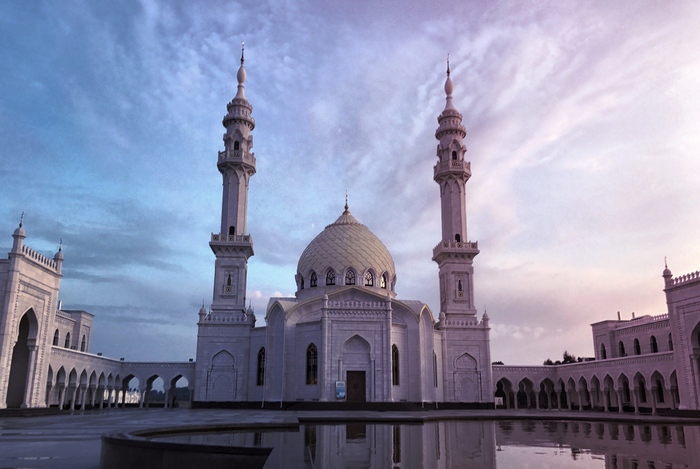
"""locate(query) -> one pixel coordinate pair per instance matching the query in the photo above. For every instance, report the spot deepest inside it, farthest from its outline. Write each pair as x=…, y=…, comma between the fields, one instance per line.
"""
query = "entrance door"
x=356, y=386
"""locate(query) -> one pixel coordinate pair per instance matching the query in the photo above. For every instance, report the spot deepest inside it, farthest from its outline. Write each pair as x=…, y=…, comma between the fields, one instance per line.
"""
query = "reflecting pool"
x=472, y=444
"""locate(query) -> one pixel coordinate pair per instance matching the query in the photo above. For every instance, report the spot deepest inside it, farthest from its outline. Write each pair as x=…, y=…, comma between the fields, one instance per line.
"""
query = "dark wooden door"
x=356, y=386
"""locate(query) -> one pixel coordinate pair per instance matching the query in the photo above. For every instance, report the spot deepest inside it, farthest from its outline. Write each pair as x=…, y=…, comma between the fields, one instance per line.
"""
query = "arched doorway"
x=21, y=360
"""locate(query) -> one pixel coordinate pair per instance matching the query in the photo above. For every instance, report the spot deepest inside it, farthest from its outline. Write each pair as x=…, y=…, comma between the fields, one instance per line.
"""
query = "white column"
x=28, y=391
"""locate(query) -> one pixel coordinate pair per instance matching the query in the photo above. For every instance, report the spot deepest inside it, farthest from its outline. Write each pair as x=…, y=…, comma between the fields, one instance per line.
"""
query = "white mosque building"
x=345, y=336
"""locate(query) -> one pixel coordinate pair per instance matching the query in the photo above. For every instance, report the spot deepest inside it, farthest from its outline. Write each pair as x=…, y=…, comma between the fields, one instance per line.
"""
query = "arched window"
x=394, y=365
x=369, y=279
x=349, y=277
x=330, y=278
x=236, y=145
x=311, y=364
x=454, y=155
x=82, y=344
x=653, y=346
x=659, y=392
x=67, y=343
x=435, y=370
x=670, y=342
x=458, y=238
x=301, y=282
x=55, y=337
x=261, y=367
x=621, y=349
x=313, y=281
x=459, y=285
x=231, y=230
x=637, y=348
x=382, y=283
x=602, y=352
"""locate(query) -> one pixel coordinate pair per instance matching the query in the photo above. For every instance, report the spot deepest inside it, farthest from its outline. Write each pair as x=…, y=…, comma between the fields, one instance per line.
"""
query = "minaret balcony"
x=231, y=244
x=456, y=167
x=236, y=156
x=456, y=248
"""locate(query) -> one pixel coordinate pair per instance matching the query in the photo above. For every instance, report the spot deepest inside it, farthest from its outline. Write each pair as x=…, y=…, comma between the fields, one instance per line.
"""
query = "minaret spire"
x=241, y=75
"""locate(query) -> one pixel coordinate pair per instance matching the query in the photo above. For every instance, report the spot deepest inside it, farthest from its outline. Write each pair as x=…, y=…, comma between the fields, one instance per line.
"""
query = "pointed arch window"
x=236, y=145
x=55, y=338
x=301, y=282
x=458, y=238
x=653, y=346
x=330, y=278
x=454, y=155
x=83, y=343
x=659, y=392
x=313, y=281
x=350, y=277
x=369, y=279
x=621, y=349
x=67, y=342
x=670, y=342
x=637, y=348
x=311, y=364
x=260, y=381
x=394, y=365
x=382, y=282
x=602, y=352
x=231, y=230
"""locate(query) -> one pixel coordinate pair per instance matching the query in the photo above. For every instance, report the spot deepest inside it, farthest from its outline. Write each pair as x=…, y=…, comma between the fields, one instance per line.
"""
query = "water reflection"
x=475, y=444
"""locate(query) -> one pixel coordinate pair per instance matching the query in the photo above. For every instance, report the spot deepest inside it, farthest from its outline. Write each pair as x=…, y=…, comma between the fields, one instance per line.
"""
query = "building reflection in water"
x=463, y=444
x=474, y=444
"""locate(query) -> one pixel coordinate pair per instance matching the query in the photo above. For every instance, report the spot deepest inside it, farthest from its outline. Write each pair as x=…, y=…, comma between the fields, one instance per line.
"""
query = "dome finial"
x=60, y=244
x=21, y=219
x=448, y=64
x=448, y=87
x=242, y=52
x=346, y=200
x=665, y=263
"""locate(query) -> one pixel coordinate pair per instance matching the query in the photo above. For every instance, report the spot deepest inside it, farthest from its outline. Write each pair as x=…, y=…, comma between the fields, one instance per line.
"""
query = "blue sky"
x=582, y=122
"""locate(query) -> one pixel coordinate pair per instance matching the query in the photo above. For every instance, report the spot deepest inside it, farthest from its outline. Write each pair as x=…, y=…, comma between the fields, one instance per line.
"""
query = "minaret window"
x=369, y=279
x=458, y=238
x=236, y=145
x=82, y=344
x=394, y=365
x=460, y=289
x=602, y=352
x=330, y=278
x=349, y=277
x=311, y=365
x=454, y=155
x=313, y=281
x=55, y=338
x=67, y=343
x=260, y=381
x=383, y=281
x=232, y=230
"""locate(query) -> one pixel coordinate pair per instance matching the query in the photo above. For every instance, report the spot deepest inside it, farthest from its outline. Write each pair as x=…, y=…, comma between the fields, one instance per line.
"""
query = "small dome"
x=19, y=231
x=344, y=244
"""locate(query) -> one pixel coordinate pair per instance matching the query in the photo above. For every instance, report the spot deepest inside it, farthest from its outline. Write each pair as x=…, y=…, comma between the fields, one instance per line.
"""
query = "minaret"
x=232, y=246
x=454, y=254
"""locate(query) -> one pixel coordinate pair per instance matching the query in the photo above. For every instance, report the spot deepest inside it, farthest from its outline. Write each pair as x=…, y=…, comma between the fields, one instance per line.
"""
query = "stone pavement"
x=73, y=440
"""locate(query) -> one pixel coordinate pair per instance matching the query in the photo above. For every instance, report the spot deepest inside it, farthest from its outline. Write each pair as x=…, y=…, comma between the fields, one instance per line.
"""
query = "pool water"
x=472, y=444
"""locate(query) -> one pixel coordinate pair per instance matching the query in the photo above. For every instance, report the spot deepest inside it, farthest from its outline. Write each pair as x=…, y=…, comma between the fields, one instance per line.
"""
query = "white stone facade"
x=345, y=324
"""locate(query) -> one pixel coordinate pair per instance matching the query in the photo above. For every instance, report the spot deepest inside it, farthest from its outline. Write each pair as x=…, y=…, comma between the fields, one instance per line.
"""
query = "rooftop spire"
x=448, y=88
x=241, y=75
x=346, y=200
x=21, y=219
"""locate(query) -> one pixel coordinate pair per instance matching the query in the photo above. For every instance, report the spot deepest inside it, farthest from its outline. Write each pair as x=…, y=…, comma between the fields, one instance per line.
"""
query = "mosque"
x=345, y=336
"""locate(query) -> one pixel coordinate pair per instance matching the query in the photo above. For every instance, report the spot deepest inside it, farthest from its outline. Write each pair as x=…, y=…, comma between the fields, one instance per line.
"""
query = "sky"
x=583, y=132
